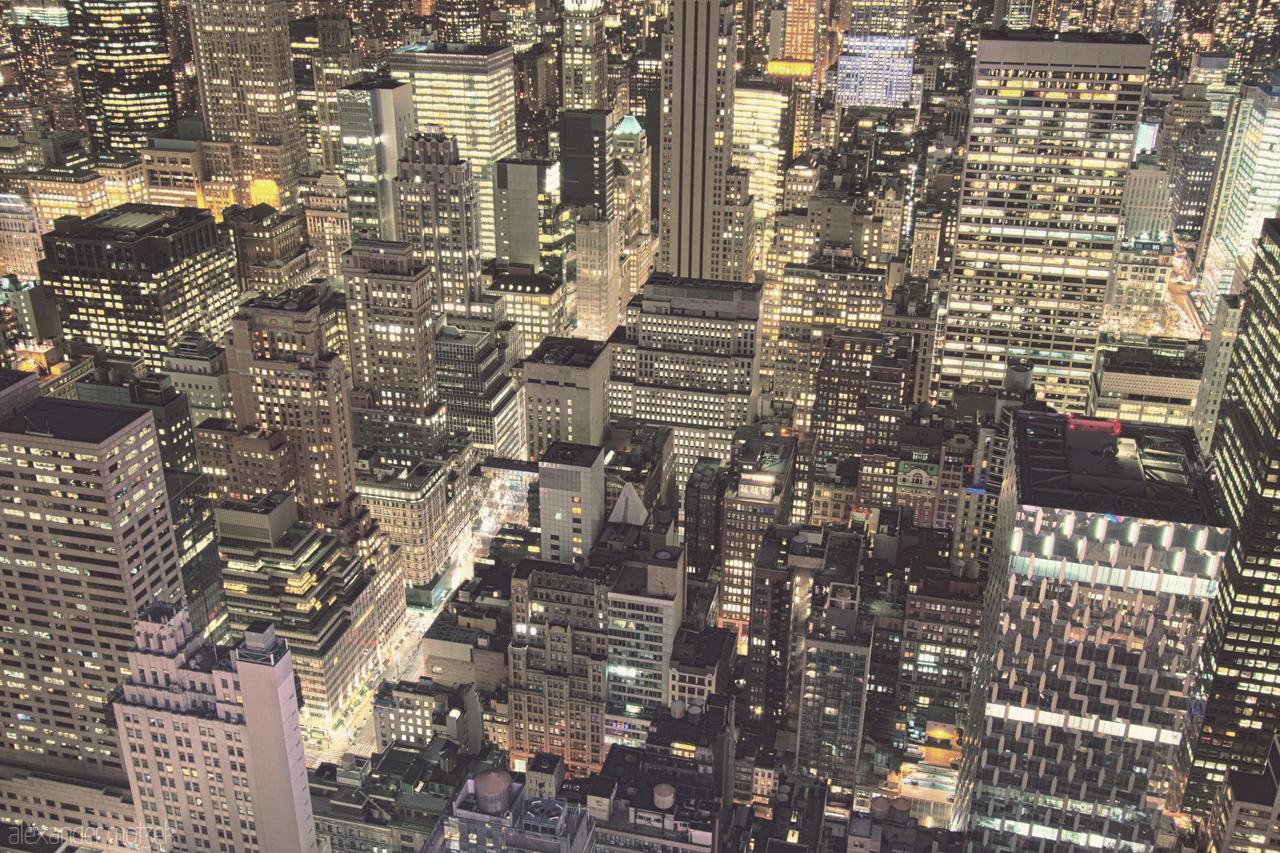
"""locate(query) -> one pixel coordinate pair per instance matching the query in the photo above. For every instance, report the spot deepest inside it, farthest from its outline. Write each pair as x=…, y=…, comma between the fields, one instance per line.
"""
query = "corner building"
x=1092, y=663
x=234, y=712
x=88, y=543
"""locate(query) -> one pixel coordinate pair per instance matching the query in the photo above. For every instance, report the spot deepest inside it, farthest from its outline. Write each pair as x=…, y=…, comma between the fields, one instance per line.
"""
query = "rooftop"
x=1072, y=38
x=68, y=420
x=568, y=453
x=1112, y=466
x=700, y=650
x=570, y=352
x=434, y=48
x=130, y=222
x=1259, y=788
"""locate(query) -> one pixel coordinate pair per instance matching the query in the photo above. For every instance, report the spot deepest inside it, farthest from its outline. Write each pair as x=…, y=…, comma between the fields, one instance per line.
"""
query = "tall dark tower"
x=1244, y=702
x=127, y=68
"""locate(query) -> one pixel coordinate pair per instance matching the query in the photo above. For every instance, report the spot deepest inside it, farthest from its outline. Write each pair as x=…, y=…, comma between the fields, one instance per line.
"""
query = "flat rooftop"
x=436, y=48
x=69, y=420
x=570, y=352
x=1110, y=466
x=127, y=223
x=1072, y=38
x=568, y=453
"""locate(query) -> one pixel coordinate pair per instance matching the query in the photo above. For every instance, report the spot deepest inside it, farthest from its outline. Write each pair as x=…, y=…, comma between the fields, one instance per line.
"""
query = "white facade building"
x=213, y=740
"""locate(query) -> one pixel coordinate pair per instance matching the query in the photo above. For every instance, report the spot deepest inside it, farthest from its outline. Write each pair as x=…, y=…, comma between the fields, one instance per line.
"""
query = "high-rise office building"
x=58, y=192
x=1248, y=187
x=479, y=391
x=376, y=119
x=409, y=501
x=390, y=299
x=20, y=245
x=1217, y=362
x=697, y=138
x=602, y=294
x=181, y=691
x=276, y=567
x=128, y=70
x=156, y=393
x=634, y=208
x=323, y=63
x=689, y=358
x=92, y=527
x=1244, y=706
x=535, y=304
x=828, y=684
x=1193, y=172
x=526, y=204
x=586, y=159
x=286, y=373
x=461, y=21
x=646, y=608
x=1145, y=201
x=1109, y=544
x=761, y=115
x=876, y=71
x=1016, y=290
x=804, y=34
x=440, y=215
x=137, y=277
x=757, y=495
x=584, y=61
x=558, y=661
x=248, y=100
x=813, y=299
x=466, y=91
x=324, y=202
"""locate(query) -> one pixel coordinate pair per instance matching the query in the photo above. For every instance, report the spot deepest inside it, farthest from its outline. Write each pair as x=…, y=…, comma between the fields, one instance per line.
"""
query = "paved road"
x=405, y=664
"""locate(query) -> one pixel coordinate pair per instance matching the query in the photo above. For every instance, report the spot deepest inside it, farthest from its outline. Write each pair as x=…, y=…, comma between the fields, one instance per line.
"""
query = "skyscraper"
x=634, y=184
x=527, y=198
x=376, y=119
x=697, y=137
x=758, y=495
x=271, y=248
x=1244, y=705
x=128, y=70
x=1018, y=287
x=571, y=489
x=390, y=301
x=689, y=358
x=761, y=115
x=558, y=661
x=286, y=374
x=600, y=288
x=94, y=517
x=585, y=62
x=586, y=159
x=272, y=794
x=439, y=214
x=247, y=96
x=466, y=91
x=1109, y=554
x=137, y=277
x=1248, y=186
